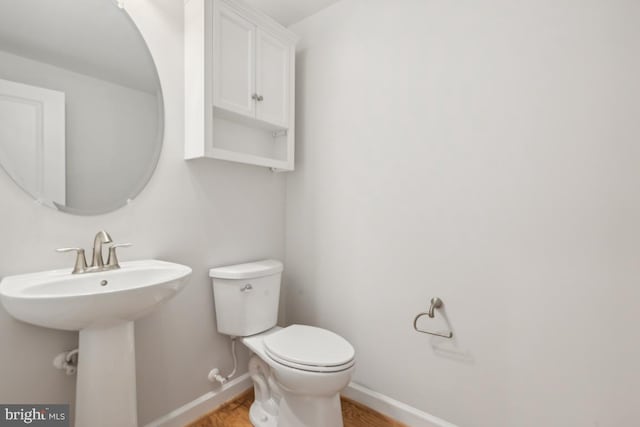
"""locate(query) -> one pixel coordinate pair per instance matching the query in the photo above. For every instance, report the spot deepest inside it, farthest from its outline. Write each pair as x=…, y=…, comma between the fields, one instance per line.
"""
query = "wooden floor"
x=236, y=414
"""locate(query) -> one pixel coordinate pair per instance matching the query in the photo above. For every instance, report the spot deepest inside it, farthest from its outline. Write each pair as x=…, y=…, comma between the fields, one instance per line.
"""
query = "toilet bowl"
x=308, y=367
x=297, y=371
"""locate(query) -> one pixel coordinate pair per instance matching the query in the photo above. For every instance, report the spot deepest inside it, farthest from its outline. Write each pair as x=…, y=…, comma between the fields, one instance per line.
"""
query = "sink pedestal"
x=106, y=383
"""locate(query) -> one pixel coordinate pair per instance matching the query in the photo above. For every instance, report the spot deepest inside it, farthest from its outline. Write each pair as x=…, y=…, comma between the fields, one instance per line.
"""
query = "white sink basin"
x=102, y=306
x=61, y=300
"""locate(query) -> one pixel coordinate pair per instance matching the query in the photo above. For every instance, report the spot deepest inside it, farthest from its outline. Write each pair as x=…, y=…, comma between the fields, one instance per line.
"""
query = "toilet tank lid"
x=249, y=270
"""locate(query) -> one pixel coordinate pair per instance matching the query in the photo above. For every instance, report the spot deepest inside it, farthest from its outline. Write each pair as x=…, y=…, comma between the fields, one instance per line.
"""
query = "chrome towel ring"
x=435, y=304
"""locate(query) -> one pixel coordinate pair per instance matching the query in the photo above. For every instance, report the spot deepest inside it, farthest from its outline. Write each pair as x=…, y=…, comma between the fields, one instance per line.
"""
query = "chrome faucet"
x=97, y=260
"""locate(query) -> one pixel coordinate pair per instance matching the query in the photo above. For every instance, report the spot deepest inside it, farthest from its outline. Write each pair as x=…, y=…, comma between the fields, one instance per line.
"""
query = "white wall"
x=486, y=153
x=201, y=214
x=111, y=131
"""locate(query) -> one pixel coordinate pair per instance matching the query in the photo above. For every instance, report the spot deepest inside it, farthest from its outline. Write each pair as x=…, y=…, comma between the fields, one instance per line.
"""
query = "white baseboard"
x=378, y=402
x=204, y=404
x=392, y=408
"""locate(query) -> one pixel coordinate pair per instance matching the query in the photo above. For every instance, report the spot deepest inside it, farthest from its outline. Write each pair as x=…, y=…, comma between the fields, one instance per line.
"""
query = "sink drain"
x=104, y=283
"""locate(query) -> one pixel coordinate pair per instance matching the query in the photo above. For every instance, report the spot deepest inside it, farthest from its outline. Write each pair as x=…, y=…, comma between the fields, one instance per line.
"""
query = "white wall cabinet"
x=240, y=85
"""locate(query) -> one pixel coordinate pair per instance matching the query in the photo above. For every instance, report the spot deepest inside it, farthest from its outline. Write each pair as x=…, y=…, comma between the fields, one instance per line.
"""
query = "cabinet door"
x=272, y=79
x=233, y=61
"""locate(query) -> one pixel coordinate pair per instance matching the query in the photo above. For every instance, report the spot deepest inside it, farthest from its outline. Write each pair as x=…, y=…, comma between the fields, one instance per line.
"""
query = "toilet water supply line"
x=214, y=375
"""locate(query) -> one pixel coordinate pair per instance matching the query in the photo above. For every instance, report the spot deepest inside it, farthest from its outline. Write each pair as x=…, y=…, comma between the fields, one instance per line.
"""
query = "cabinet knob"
x=257, y=97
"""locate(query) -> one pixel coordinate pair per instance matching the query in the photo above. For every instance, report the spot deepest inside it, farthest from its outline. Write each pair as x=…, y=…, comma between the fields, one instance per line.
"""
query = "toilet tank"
x=246, y=297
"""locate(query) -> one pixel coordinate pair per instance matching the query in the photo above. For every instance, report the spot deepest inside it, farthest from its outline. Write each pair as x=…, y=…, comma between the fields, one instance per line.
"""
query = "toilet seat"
x=310, y=349
x=310, y=368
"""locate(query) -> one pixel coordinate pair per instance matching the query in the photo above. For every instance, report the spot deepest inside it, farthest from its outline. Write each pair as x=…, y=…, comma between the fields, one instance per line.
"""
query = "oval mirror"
x=81, y=112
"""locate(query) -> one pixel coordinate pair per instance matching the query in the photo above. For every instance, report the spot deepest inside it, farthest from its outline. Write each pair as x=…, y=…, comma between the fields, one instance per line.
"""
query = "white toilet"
x=297, y=371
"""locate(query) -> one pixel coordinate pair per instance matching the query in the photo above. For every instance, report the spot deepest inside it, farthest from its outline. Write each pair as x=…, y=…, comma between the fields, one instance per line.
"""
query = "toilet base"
x=275, y=407
x=260, y=418
x=305, y=411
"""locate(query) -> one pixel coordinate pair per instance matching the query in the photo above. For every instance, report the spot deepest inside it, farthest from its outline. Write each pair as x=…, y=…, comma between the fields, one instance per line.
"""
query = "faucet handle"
x=81, y=261
x=112, y=260
x=120, y=245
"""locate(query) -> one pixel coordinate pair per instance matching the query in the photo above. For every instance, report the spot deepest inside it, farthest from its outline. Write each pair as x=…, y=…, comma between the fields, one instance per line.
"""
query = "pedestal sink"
x=102, y=306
